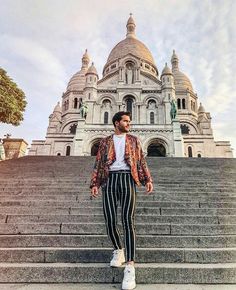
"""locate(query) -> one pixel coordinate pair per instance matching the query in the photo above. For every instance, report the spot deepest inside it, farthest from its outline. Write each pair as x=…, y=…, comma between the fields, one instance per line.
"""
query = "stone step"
x=140, y=197
x=103, y=255
x=99, y=228
x=94, y=203
x=98, y=210
x=143, y=241
x=102, y=273
x=181, y=219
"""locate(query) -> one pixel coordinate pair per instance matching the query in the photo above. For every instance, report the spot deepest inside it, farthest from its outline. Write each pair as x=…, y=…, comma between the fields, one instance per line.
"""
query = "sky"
x=42, y=43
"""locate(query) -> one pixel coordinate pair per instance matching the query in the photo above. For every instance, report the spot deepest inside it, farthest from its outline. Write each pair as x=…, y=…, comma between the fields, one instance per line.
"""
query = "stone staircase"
x=51, y=232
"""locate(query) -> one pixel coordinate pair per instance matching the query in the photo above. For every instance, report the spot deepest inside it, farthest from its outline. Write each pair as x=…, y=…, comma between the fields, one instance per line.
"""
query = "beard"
x=124, y=129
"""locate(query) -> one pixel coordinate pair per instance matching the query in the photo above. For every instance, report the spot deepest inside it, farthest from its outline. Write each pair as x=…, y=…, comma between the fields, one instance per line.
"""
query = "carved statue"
x=83, y=110
x=173, y=110
x=129, y=74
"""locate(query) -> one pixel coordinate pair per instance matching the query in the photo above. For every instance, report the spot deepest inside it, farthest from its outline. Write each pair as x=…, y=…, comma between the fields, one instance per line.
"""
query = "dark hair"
x=118, y=116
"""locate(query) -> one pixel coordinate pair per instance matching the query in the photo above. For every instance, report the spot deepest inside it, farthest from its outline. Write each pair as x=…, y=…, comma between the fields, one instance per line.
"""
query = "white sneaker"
x=129, y=278
x=118, y=258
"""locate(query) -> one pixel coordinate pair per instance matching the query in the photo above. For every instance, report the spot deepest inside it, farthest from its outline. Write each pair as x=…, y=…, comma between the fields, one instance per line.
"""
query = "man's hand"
x=94, y=192
x=149, y=187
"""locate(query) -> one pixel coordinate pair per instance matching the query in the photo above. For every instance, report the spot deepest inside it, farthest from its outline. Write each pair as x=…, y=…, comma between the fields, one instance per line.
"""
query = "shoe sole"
x=129, y=288
x=117, y=266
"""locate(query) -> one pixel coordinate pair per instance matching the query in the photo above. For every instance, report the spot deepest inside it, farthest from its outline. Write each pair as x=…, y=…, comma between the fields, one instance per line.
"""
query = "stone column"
x=79, y=138
x=178, y=139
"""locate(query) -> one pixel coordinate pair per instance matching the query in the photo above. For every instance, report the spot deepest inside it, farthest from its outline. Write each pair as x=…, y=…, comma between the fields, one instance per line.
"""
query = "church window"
x=190, y=151
x=80, y=102
x=147, y=66
x=90, y=79
x=113, y=66
x=89, y=96
x=168, y=79
x=179, y=103
x=106, y=115
x=199, y=155
x=169, y=96
x=129, y=105
x=58, y=154
x=184, y=129
x=152, y=118
x=67, y=150
x=75, y=103
x=183, y=103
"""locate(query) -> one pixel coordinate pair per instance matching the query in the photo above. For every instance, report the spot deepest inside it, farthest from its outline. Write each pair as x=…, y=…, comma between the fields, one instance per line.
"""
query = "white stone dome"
x=181, y=81
x=130, y=45
x=92, y=70
x=166, y=70
x=77, y=82
x=133, y=46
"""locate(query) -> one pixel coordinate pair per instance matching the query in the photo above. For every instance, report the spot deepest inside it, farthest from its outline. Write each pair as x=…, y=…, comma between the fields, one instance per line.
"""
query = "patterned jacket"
x=133, y=156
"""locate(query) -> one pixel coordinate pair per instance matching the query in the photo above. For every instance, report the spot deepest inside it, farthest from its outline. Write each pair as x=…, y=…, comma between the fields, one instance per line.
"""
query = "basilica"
x=166, y=114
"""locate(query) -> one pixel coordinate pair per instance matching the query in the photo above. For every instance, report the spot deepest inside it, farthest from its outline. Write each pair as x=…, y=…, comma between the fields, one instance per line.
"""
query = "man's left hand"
x=149, y=187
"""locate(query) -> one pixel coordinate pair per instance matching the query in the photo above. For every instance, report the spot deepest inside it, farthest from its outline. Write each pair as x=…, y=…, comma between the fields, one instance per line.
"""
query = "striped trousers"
x=120, y=188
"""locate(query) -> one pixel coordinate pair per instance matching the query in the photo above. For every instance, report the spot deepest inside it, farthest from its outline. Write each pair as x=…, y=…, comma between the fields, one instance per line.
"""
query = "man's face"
x=124, y=124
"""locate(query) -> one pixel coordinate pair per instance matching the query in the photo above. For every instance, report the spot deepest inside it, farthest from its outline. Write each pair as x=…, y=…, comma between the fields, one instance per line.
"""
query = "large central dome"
x=130, y=45
x=133, y=46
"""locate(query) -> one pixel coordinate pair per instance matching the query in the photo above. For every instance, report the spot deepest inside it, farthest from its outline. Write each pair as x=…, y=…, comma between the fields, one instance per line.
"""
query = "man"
x=120, y=166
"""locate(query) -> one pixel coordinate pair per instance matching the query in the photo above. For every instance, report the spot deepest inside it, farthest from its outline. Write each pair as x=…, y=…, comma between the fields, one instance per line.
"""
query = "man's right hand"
x=94, y=192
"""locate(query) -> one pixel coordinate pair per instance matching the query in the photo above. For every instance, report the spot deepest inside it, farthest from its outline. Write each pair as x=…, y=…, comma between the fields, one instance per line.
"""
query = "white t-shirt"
x=119, y=164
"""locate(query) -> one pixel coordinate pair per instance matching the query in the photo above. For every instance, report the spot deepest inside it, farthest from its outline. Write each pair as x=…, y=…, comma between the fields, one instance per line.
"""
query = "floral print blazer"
x=133, y=156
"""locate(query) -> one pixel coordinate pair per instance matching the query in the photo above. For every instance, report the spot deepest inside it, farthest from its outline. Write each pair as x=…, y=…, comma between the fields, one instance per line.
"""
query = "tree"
x=12, y=100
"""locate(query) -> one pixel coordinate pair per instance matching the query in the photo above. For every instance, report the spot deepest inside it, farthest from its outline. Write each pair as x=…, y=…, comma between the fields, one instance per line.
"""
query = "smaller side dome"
x=182, y=82
x=77, y=82
x=92, y=70
x=166, y=70
x=201, y=109
x=57, y=108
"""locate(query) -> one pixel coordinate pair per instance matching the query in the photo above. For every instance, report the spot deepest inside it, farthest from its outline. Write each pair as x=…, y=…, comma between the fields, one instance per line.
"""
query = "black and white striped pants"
x=120, y=187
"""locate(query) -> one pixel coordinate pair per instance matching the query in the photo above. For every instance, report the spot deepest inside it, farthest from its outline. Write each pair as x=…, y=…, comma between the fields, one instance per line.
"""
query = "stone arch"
x=106, y=96
x=68, y=124
x=129, y=58
x=94, y=144
x=152, y=97
x=132, y=94
x=157, y=146
x=191, y=124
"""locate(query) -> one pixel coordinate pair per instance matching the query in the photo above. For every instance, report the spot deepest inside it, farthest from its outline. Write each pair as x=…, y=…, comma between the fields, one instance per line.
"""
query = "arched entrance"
x=94, y=149
x=156, y=149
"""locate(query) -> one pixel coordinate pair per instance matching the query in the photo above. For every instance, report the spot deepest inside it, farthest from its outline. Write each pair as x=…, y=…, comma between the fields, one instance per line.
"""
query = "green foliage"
x=12, y=100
